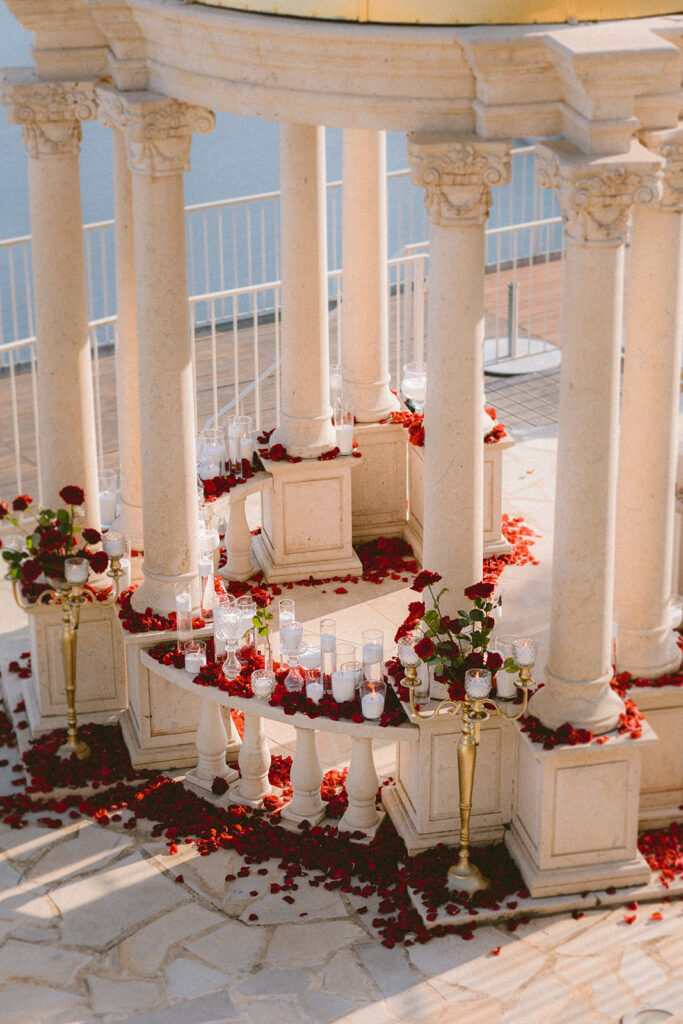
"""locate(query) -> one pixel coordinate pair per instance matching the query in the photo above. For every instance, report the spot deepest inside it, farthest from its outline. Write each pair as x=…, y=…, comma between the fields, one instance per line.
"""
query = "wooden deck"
x=539, y=317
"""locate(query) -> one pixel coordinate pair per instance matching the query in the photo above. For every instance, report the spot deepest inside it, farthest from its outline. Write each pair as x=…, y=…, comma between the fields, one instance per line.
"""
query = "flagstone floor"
x=93, y=927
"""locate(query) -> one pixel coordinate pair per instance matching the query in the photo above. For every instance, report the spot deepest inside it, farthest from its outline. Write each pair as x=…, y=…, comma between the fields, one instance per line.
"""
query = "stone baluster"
x=126, y=352
x=212, y=742
x=305, y=426
x=596, y=196
x=158, y=133
x=648, y=446
x=254, y=762
x=237, y=543
x=51, y=114
x=365, y=349
x=457, y=173
x=361, y=815
x=306, y=778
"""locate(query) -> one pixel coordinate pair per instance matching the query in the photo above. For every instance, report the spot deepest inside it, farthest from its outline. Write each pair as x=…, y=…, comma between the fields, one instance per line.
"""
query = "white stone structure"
x=613, y=93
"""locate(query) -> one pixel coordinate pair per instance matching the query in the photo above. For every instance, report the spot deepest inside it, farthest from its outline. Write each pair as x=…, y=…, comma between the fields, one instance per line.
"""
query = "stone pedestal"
x=306, y=521
x=161, y=721
x=494, y=542
x=379, y=481
x=575, y=815
x=100, y=678
x=661, y=783
x=424, y=804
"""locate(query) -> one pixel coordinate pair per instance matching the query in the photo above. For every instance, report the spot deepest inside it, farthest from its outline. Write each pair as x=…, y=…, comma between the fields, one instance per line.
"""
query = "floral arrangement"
x=49, y=538
x=454, y=645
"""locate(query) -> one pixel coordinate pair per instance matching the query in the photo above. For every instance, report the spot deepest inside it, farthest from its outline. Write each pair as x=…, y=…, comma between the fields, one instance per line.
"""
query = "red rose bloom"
x=72, y=495
x=425, y=579
x=99, y=561
x=91, y=536
x=493, y=661
x=479, y=590
x=30, y=570
x=261, y=597
x=424, y=648
x=50, y=539
x=22, y=502
x=4, y=509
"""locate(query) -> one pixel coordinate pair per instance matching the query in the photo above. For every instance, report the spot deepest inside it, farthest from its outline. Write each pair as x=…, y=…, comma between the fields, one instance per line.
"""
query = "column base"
x=306, y=521
x=235, y=797
x=590, y=705
x=369, y=831
x=290, y=817
x=202, y=786
x=379, y=482
x=305, y=438
x=371, y=402
x=575, y=816
x=158, y=592
x=648, y=653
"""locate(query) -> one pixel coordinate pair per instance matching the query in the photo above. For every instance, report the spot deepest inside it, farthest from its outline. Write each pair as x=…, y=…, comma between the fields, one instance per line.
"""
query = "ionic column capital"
x=669, y=146
x=50, y=113
x=158, y=130
x=457, y=173
x=596, y=195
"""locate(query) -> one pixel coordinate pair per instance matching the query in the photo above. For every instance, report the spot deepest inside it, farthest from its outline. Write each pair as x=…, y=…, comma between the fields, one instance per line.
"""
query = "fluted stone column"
x=365, y=332
x=305, y=426
x=158, y=133
x=51, y=114
x=457, y=173
x=596, y=198
x=649, y=425
x=126, y=352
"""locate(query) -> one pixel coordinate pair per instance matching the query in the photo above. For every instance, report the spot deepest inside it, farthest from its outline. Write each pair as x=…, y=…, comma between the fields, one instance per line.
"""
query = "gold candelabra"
x=69, y=594
x=475, y=708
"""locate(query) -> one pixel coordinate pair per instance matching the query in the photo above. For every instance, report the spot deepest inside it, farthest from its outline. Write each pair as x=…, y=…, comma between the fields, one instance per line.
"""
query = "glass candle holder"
x=477, y=683
x=195, y=656
x=336, y=384
x=262, y=683
x=373, y=654
x=314, y=684
x=309, y=654
x=223, y=603
x=356, y=670
x=505, y=681
x=207, y=586
x=328, y=646
x=246, y=441
x=524, y=652
x=108, y=492
x=76, y=571
x=234, y=436
x=290, y=638
x=373, y=695
x=114, y=544
x=212, y=453
x=343, y=685
x=183, y=611
x=246, y=609
x=414, y=384
x=343, y=427
x=286, y=610
x=407, y=654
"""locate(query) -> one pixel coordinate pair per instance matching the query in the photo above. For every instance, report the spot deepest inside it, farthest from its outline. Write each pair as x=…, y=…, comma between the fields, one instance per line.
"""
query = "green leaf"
x=62, y=516
x=476, y=615
x=432, y=618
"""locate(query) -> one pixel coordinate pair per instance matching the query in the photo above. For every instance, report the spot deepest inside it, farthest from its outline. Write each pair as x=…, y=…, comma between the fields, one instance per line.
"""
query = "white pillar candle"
x=343, y=685
x=372, y=660
x=246, y=449
x=345, y=438
x=183, y=605
x=505, y=684
x=234, y=443
x=194, y=661
x=314, y=691
x=372, y=704
x=309, y=657
x=107, y=507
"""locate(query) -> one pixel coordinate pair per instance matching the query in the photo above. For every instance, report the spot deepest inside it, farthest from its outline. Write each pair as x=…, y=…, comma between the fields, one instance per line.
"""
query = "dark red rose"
x=99, y=561
x=22, y=502
x=261, y=597
x=425, y=579
x=72, y=495
x=493, y=661
x=209, y=488
x=475, y=660
x=4, y=509
x=91, y=536
x=479, y=590
x=424, y=648
x=50, y=539
x=416, y=609
x=30, y=570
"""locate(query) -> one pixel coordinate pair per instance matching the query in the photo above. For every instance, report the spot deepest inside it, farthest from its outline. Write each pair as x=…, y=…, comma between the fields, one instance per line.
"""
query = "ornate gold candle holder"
x=475, y=708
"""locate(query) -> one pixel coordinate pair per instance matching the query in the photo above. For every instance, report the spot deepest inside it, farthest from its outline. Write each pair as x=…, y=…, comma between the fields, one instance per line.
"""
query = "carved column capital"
x=669, y=146
x=457, y=173
x=49, y=112
x=596, y=195
x=158, y=130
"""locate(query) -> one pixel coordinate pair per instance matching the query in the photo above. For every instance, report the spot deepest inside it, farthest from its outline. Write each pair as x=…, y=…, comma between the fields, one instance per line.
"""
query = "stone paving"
x=94, y=927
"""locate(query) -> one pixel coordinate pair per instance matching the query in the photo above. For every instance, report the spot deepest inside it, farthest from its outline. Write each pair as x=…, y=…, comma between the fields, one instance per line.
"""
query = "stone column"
x=51, y=115
x=649, y=426
x=457, y=174
x=158, y=134
x=126, y=352
x=365, y=333
x=596, y=196
x=305, y=415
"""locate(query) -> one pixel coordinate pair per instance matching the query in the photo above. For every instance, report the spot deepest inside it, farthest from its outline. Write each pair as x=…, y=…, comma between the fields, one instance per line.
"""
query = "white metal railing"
x=234, y=282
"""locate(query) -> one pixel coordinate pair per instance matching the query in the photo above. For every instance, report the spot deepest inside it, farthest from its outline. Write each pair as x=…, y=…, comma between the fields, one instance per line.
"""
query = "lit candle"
x=76, y=571
x=314, y=690
x=183, y=606
x=344, y=436
x=372, y=703
x=309, y=657
x=114, y=544
x=262, y=683
x=234, y=438
x=524, y=652
x=343, y=685
x=195, y=657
